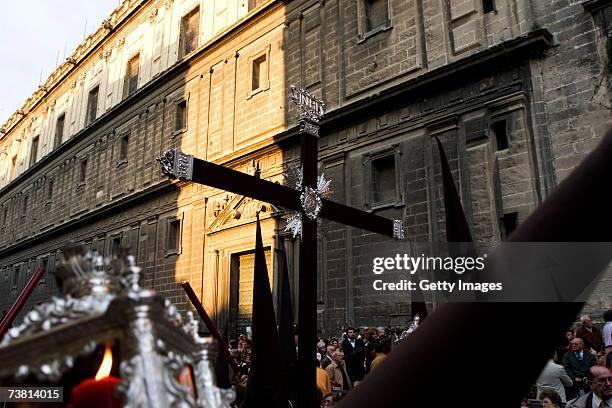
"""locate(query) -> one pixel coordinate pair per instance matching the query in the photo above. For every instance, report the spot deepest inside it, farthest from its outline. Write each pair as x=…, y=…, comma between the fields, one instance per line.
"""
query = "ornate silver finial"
x=176, y=164
x=398, y=229
x=312, y=110
x=310, y=106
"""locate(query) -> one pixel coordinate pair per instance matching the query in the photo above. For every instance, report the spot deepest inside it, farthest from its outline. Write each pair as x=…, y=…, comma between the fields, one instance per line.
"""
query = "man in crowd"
x=577, y=363
x=383, y=347
x=600, y=379
x=554, y=377
x=337, y=372
x=564, y=345
x=328, y=357
x=590, y=334
x=354, y=351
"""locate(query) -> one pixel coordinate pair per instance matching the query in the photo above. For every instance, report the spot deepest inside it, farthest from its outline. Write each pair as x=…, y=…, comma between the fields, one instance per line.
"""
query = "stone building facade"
x=517, y=91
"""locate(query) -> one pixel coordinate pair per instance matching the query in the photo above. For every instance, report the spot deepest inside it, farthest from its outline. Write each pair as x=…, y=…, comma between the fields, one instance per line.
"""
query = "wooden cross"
x=178, y=165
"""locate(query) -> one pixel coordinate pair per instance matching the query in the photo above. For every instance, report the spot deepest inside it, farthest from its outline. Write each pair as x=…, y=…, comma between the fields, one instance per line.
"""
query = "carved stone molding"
x=153, y=15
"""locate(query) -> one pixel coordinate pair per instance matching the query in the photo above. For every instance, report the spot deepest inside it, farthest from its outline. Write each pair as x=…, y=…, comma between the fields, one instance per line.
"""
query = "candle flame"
x=107, y=363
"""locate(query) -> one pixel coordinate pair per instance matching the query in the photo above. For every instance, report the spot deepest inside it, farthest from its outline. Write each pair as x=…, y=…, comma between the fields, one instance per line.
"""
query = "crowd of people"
x=578, y=374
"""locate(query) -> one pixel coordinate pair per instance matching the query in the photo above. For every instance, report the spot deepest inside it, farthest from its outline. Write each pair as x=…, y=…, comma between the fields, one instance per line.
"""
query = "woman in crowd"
x=550, y=399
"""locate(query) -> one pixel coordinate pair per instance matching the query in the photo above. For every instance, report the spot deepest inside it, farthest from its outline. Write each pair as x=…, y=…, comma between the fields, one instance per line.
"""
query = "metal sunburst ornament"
x=310, y=199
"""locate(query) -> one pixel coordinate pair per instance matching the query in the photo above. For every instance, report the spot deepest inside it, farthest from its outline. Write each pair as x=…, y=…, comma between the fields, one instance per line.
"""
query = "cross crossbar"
x=178, y=165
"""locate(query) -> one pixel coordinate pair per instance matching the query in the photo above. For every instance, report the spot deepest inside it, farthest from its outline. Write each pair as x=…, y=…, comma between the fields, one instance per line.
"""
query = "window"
x=49, y=193
x=59, y=130
x=254, y=3
x=180, y=118
x=124, y=145
x=383, y=179
x=173, y=236
x=92, y=105
x=5, y=216
x=381, y=175
x=44, y=263
x=25, y=202
x=15, y=277
x=34, y=151
x=501, y=134
x=131, y=76
x=507, y=224
x=372, y=18
x=13, y=167
x=115, y=246
x=83, y=171
x=488, y=6
x=259, y=73
x=190, y=29
x=376, y=14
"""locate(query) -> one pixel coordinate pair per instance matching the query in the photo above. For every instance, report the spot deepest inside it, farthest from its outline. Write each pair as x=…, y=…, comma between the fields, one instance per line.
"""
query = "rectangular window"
x=115, y=246
x=488, y=6
x=180, y=119
x=13, y=167
x=83, y=171
x=384, y=180
x=49, y=193
x=253, y=4
x=15, y=277
x=44, y=263
x=124, y=144
x=259, y=73
x=173, y=236
x=25, y=202
x=501, y=134
x=59, y=130
x=131, y=76
x=5, y=216
x=190, y=29
x=376, y=14
x=92, y=105
x=34, y=151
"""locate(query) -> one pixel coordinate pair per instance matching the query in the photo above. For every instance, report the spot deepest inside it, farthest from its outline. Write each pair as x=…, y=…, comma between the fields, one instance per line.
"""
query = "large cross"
x=308, y=202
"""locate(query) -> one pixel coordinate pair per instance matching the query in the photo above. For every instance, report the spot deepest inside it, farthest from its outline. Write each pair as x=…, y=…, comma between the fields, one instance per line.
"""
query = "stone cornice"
x=507, y=54
x=116, y=19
